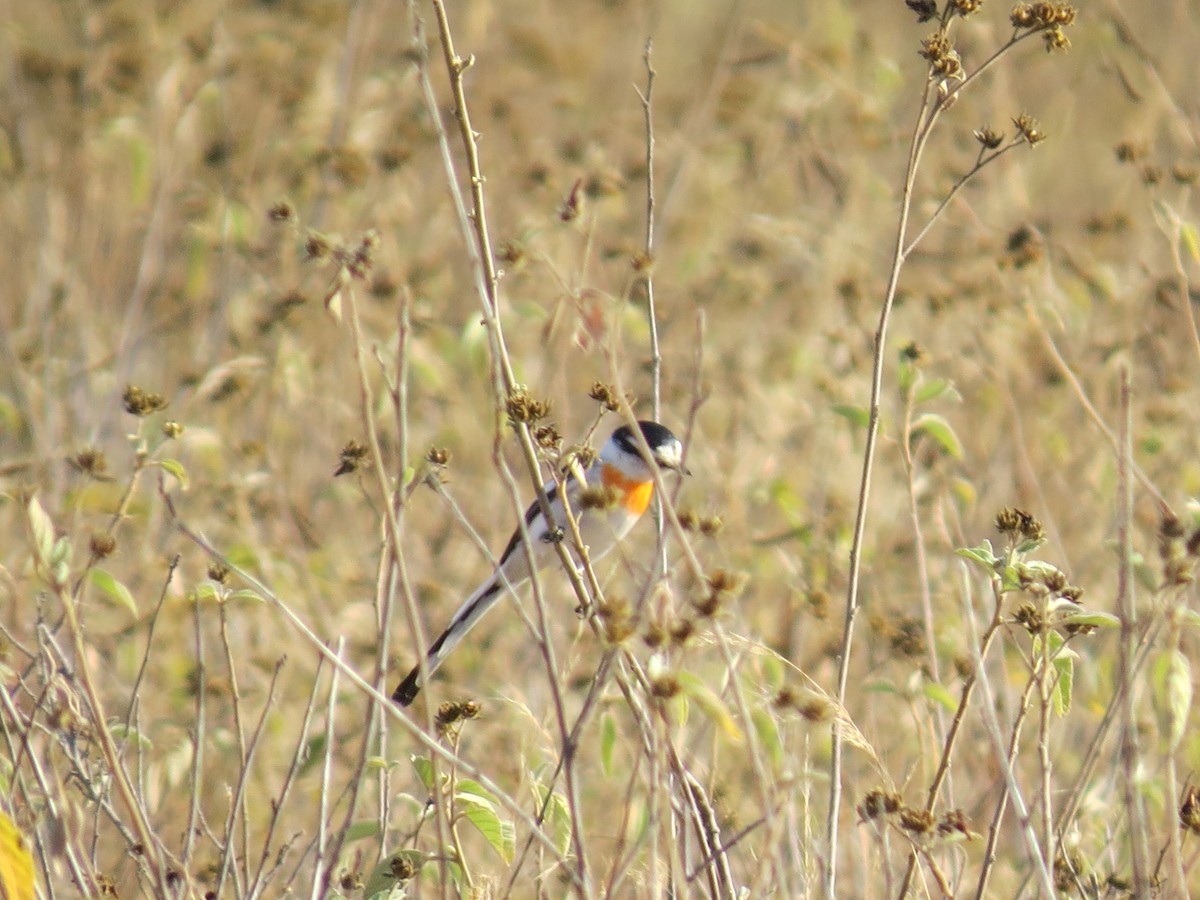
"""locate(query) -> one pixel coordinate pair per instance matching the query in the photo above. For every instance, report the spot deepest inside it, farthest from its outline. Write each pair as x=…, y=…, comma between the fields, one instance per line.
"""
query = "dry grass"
x=192, y=739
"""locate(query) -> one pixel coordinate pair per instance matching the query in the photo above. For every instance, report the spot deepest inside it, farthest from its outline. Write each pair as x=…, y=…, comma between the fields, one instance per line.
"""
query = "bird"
x=625, y=478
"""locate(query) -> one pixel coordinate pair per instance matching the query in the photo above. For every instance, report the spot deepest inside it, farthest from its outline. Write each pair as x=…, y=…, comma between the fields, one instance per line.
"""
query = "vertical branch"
x=925, y=120
x=323, y=864
x=1127, y=610
x=648, y=251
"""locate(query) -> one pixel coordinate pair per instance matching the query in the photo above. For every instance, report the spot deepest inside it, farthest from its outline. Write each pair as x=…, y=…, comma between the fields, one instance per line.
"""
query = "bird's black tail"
x=407, y=692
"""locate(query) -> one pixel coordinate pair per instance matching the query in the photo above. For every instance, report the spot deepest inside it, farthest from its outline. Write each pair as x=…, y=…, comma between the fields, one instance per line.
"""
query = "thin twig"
x=1126, y=604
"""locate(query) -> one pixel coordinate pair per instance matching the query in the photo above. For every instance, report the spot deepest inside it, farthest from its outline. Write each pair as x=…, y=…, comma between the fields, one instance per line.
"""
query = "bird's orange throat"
x=633, y=496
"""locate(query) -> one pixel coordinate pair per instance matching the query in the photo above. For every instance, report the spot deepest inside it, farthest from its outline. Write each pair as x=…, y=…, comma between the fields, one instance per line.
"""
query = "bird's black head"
x=667, y=449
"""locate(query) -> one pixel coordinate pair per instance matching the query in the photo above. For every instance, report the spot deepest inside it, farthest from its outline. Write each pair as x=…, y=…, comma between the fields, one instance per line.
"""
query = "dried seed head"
x=964, y=8
x=878, y=803
x=664, y=687
x=512, y=253
x=90, y=462
x=1189, y=810
x=437, y=456
x=642, y=262
x=1017, y=523
x=1028, y=127
x=218, y=573
x=572, y=207
x=451, y=715
x=522, y=407
x=605, y=394
x=402, y=868
x=281, y=211
x=547, y=437
x=600, y=496
x=102, y=544
x=682, y=631
x=908, y=637
x=352, y=458
x=617, y=618
x=917, y=821
x=989, y=138
x=1055, y=39
x=172, y=430
x=925, y=9
x=1029, y=617
x=142, y=403
x=654, y=636
x=317, y=245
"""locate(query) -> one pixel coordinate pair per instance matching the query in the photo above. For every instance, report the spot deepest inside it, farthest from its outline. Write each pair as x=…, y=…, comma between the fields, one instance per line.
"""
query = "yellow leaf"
x=16, y=865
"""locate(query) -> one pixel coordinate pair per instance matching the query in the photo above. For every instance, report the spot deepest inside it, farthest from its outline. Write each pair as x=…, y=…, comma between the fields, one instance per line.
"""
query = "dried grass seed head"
x=989, y=138
x=352, y=458
x=142, y=403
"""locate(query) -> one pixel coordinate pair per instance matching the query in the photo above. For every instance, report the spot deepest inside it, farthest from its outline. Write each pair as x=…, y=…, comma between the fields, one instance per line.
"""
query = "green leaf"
x=314, y=752
x=364, y=829
x=772, y=669
x=767, y=729
x=1187, y=233
x=60, y=554
x=1062, y=659
x=383, y=883
x=119, y=731
x=982, y=554
x=1064, y=665
x=245, y=595
x=1171, y=676
x=558, y=815
x=938, y=693
x=933, y=389
x=855, y=415
x=1191, y=617
x=479, y=808
x=424, y=769
x=1092, y=617
x=42, y=529
x=710, y=704
x=206, y=591
x=940, y=431
x=608, y=740
x=114, y=589
x=175, y=468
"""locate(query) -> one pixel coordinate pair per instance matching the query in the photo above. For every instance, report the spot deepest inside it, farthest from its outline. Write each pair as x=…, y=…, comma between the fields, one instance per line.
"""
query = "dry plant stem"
x=198, y=739
x=988, y=708
x=239, y=730
x=239, y=797
x=261, y=877
x=368, y=690
x=1047, y=678
x=85, y=881
x=989, y=854
x=939, y=877
x=1127, y=610
x=651, y=314
x=960, y=715
x=914, y=516
x=860, y=519
x=135, y=692
x=1182, y=282
x=1092, y=412
x=504, y=382
x=1172, y=851
x=927, y=117
x=153, y=851
x=323, y=862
